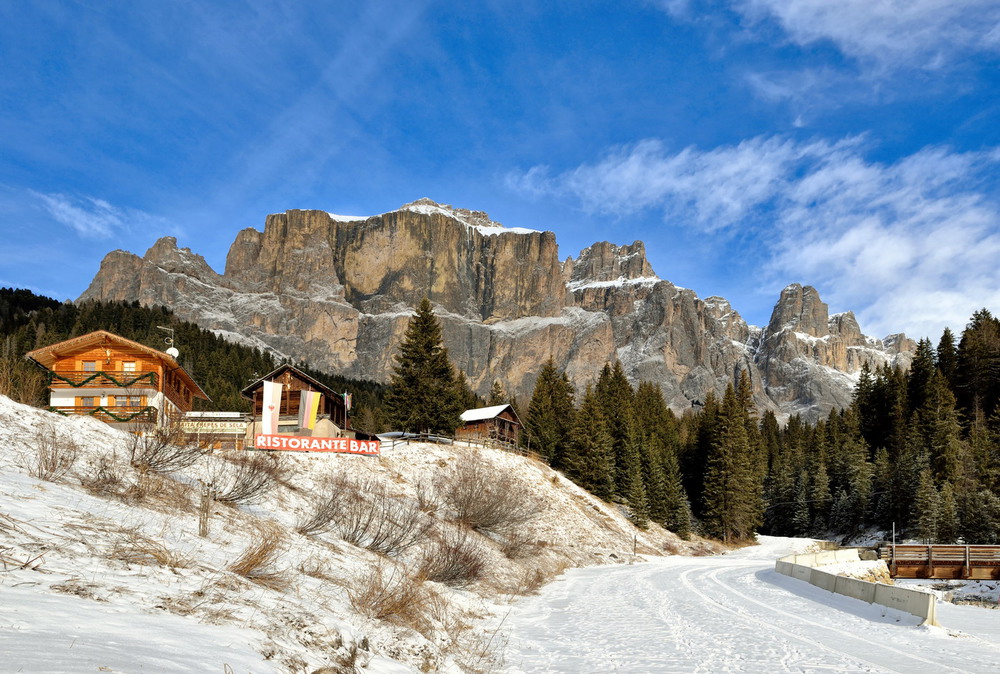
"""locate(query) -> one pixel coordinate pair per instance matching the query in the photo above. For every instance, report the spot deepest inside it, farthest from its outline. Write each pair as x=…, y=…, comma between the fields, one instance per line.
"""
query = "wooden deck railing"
x=102, y=378
x=111, y=415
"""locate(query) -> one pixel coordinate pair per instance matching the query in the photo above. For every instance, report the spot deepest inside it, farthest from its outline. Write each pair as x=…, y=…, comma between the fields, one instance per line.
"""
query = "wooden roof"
x=47, y=356
x=295, y=372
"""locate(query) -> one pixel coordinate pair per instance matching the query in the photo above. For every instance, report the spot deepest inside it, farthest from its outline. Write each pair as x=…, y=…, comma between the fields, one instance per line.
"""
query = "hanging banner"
x=309, y=408
x=272, y=406
x=294, y=443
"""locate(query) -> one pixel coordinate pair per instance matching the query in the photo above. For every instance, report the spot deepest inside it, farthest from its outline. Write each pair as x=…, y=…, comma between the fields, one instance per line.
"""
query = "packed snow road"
x=732, y=613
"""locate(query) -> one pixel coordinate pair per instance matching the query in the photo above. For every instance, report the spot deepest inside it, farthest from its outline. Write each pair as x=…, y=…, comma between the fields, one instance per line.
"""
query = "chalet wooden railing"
x=117, y=378
x=942, y=561
x=145, y=413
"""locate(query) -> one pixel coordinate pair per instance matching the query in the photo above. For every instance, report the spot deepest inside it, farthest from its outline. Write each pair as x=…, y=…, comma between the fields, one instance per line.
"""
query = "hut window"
x=90, y=366
x=128, y=366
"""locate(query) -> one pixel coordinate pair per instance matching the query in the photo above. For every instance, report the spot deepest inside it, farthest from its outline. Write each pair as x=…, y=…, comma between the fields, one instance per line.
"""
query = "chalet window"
x=128, y=401
x=88, y=401
x=90, y=366
x=128, y=366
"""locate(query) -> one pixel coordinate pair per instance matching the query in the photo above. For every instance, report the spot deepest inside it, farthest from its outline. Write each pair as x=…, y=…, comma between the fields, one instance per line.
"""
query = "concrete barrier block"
x=858, y=589
x=824, y=580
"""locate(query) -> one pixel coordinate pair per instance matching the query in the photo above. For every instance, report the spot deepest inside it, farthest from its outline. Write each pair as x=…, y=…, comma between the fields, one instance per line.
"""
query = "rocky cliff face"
x=338, y=292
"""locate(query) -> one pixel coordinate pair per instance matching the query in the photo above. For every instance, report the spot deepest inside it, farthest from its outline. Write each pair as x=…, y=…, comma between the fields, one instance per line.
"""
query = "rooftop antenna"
x=169, y=341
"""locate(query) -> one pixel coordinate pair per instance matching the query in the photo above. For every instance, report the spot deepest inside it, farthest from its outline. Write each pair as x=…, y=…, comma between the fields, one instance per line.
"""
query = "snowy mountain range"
x=337, y=291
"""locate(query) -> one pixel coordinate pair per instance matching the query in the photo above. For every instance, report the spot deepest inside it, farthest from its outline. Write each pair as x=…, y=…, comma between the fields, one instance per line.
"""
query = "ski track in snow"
x=732, y=613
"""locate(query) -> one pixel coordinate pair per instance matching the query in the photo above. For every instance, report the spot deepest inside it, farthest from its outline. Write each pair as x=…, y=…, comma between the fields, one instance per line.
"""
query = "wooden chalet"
x=332, y=420
x=498, y=424
x=116, y=380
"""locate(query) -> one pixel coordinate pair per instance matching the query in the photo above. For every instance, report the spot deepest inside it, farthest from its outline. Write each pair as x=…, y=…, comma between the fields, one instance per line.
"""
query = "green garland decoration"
x=100, y=408
x=125, y=383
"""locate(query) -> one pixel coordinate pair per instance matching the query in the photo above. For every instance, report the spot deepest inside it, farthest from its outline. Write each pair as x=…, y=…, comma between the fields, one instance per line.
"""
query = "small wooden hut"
x=498, y=424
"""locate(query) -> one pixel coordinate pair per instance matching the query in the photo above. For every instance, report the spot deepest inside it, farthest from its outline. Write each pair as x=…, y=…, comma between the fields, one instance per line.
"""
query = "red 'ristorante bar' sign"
x=296, y=444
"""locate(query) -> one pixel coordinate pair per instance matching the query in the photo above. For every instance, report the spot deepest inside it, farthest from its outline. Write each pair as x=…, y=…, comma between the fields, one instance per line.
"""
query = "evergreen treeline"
x=221, y=368
x=918, y=450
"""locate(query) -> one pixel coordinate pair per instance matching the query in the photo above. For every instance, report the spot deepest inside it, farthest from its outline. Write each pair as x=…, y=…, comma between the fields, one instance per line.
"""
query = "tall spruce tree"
x=423, y=391
x=550, y=417
x=589, y=460
x=946, y=356
x=732, y=510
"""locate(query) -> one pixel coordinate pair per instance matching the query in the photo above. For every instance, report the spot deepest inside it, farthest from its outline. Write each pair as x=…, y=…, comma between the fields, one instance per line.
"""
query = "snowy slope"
x=96, y=582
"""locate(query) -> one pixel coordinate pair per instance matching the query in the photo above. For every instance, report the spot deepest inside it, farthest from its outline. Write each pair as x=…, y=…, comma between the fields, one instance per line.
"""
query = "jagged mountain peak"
x=605, y=262
x=337, y=291
x=800, y=309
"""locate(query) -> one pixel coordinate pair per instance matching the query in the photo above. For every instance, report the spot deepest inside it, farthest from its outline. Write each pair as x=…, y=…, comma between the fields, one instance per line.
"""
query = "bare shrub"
x=486, y=499
x=133, y=547
x=55, y=454
x=518, y=545
x=456, y=559
x=244, y=477
x=427, y=499
x=160, y=449
x=258, y=560
x=325, y=508
x=390, y=595
x=367, y=515
x=107, y=476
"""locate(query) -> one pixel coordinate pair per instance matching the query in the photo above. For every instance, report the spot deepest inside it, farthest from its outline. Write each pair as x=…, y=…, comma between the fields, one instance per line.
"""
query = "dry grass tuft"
x=391, y=595
x=55, y=454
x=326, y=506
x=518, y=545
x=106, y=476
x=368, y=515
x=160, y=449
x=244, y=477
x=258, y=560
x=486, y=499
x=135, y=548
x=456, y=559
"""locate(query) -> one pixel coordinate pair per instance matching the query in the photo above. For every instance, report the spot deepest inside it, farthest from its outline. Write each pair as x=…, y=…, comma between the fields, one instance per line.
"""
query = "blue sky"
x=853, y=145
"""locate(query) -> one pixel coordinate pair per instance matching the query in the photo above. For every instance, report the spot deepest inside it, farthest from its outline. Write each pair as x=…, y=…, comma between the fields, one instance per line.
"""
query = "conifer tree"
x=423, y=392
x=550, y=417
x=940, y=429
x=977, y=376
x=731, y=492
x=467, y=398
x=922, y=371
x=589, y=461
x=617, y=400
x=694, y=459
x=497, y=395
x=926, y=508
x=947, y=356
x=947, y=520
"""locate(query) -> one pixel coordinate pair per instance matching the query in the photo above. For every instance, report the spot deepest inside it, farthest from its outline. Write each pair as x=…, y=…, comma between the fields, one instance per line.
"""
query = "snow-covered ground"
x=733, y=613
x=118, y=579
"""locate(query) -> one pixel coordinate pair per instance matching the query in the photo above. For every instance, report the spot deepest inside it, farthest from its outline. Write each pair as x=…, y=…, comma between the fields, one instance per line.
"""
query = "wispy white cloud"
x=910, y=245
x=93, y=218
x=890, y=33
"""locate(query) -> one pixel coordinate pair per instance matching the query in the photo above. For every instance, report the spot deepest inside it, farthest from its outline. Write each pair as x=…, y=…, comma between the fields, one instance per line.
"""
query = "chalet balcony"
x=112, y=415
x=101, y=379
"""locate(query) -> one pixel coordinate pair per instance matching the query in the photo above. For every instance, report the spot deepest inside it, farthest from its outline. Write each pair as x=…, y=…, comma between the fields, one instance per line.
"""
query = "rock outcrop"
x=338, y=292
